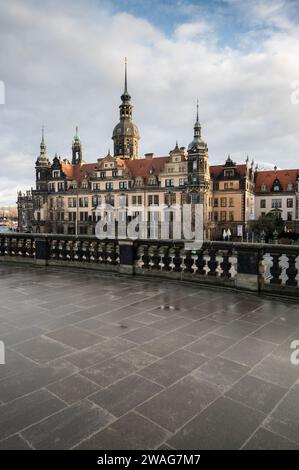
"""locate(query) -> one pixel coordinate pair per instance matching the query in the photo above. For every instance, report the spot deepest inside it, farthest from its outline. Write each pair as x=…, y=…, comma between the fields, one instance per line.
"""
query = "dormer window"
x=139, y=181
x=229, y=173
x=56, y=174
x=276, y=185
x=84, y=185
x=152, y=180
x=290, y=187
x=263, y=188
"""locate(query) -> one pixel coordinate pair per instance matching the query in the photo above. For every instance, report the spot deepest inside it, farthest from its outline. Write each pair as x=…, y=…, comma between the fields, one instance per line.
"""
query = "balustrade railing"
x=263, y=267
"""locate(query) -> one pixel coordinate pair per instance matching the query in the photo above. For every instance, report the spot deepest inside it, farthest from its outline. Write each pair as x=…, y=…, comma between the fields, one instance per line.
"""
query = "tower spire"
x=125, y=134
x=197, y=126
x=42, y=159
x=42, y=144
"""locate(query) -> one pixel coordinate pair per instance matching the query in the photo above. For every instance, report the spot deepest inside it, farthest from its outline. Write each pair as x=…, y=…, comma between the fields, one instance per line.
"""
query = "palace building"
x=68, y=191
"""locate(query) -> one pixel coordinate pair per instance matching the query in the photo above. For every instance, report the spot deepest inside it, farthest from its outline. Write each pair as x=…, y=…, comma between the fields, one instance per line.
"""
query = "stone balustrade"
x=248, y=266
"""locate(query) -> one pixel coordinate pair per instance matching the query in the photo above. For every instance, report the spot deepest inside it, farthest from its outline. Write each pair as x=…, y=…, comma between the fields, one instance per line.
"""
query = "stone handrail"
x=249, y=266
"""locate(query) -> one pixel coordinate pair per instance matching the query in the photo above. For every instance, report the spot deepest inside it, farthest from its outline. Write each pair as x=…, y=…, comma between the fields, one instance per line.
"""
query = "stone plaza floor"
x=97, y=361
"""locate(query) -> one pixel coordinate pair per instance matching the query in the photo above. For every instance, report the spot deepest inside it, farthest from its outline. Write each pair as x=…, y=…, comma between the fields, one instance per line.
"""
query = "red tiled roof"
x=142, y=166
x=268, y=177
x=215, y=170
x=78, y=172
x=138, y=167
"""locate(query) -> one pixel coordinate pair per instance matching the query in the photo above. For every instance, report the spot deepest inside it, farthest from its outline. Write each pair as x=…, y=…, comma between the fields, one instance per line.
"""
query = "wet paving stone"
x=42, y=349
x=256, y=393
x=276, y=370
x=75, y=337
x=126, y=394
x=266, y=440
x=249, y=351
x=73, y=388
x=176, y=405
x=222, y=371
x=24, y=411
x=131, y=431
x=98, y=361
x=173, y=367
x=68, y=427
x=206, y=431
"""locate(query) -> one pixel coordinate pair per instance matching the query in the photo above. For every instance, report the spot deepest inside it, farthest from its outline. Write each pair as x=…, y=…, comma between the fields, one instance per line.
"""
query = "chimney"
x=149, y=156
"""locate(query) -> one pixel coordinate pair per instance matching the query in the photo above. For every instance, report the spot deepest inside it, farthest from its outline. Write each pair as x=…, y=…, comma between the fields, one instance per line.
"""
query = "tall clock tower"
x=125, y=134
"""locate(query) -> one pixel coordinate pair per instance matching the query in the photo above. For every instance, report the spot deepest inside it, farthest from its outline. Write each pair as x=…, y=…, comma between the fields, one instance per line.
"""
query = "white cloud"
x=62, y=65
x=195, y=30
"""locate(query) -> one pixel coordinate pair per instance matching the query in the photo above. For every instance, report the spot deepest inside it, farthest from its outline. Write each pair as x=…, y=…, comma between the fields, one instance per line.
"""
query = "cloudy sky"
x=62, y=65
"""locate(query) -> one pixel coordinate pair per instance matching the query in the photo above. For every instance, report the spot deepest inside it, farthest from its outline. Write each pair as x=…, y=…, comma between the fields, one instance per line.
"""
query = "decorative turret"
x=198, y=167
x=42, y=159
x=125, y=134
x=76, y=149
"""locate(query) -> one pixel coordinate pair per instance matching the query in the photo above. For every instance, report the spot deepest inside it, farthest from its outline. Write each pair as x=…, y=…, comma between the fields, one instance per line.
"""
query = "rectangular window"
x=168, y=183
x=72, y=216
x=72, y=202
x=109, y=185
x=153, y=199
x=137, y=200
x=84, y=216
x=231, y=216
x=289, y=216
x=96, y=200
x=103, y=174
x=229, y=172
x=226, y=186
x=223, y=216
x=114, y=173
x=96, y=186
x=59, y=202
x=123, y=185
x=223, y=202
x=276, y=203
x=289, y=203
x=263, y=204
x=216, y=216
x=216, y=202
x=231, y=202
x=83, y=230
x=182, y=182
x=83, y=202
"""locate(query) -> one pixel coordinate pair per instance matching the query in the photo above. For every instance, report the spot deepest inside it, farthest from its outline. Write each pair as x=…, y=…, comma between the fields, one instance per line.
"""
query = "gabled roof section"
x=267, y=178
x=217, y=171
x=146, y=168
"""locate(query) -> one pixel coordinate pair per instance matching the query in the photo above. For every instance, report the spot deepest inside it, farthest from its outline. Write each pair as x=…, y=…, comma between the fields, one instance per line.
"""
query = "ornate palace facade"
x=68, y=192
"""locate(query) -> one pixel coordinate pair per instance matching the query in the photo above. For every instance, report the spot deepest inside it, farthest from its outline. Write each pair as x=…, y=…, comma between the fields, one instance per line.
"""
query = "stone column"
x=248, y=269
x=127, y=256
x=41, y=251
